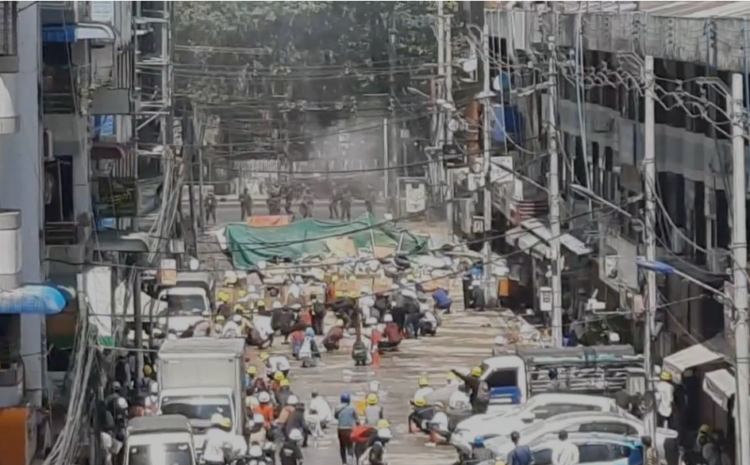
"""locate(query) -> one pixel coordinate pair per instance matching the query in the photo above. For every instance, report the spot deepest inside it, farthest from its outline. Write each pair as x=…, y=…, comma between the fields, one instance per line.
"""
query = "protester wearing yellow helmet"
x=479, y=392
x=664, y=398
x=425, y=390
x=417, y=418
x=217, y=437
x=373, y=411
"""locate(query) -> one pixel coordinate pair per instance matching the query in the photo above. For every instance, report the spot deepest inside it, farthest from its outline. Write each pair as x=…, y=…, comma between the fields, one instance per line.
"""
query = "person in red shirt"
x=305, y=317
x=334, y=336
x=393, y=336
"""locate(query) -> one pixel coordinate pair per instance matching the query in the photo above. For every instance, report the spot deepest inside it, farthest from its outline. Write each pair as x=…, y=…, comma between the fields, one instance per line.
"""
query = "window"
x=608, y=427
x=596, y=453
x=542, y=457
x=502, y=378
x=544, y=412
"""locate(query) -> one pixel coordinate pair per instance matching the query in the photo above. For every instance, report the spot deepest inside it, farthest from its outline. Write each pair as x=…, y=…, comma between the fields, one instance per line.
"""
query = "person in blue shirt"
x=520, y=455
x=442, y=300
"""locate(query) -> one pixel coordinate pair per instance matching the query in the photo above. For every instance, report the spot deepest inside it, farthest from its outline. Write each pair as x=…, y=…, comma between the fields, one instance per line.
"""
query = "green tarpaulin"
x=249, y=245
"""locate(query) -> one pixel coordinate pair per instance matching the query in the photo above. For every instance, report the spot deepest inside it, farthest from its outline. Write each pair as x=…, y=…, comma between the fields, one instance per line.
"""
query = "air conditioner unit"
x=48, y=144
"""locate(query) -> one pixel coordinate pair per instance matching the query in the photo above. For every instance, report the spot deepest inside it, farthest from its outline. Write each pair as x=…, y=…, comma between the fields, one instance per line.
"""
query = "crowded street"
x=374, y=233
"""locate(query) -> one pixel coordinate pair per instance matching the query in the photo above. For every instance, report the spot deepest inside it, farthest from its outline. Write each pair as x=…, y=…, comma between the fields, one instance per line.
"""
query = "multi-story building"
x=602, y=133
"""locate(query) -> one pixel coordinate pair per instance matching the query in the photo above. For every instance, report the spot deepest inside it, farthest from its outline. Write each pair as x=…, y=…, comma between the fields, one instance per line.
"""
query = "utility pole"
x=386, y=159
x=649, y=174
x=199, y=129
x=739, y=275
x=486, y=146
x=554, y=194
x=138, y=317
x=439, y=168
x=448, y=116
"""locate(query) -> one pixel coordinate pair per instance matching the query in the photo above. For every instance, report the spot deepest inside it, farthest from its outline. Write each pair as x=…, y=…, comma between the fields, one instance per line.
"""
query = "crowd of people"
x=280, y=425
x=281, y=197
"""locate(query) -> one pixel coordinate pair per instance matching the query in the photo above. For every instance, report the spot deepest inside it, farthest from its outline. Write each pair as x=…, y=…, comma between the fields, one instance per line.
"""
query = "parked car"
x=536, y=410
x=593, y=449
x=621, y=424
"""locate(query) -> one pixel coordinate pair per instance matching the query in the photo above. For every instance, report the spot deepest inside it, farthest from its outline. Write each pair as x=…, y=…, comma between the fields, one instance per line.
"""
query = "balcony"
x=59, y=87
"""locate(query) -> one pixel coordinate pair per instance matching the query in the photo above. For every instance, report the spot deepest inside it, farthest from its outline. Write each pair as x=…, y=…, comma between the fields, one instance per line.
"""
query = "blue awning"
x=74, y=32
x=33, y=299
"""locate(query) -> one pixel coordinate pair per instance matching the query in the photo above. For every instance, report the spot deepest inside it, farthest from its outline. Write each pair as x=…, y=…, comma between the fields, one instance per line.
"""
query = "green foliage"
x=313, y=51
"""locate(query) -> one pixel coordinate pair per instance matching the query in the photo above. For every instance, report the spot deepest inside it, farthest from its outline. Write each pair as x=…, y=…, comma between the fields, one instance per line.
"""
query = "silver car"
x=622, y=424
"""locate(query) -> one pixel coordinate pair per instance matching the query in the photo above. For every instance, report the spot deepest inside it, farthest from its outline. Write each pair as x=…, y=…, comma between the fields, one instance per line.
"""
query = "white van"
x=166, y=439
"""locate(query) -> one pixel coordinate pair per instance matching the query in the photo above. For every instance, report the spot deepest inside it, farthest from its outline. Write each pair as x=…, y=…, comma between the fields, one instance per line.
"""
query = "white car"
x=622, y=424
x=593, y=449
x=536, y=410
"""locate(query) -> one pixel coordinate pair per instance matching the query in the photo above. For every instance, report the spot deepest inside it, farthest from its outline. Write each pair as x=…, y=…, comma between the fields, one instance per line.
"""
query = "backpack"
x=483, y=393
x=359, y=350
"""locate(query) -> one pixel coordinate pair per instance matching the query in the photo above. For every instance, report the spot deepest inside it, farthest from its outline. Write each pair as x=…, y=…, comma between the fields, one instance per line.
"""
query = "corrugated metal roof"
x=203, y=345
x=697, y=9
x=675, y=9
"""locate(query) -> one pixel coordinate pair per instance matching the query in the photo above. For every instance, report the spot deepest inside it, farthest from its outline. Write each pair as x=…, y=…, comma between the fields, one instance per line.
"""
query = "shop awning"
x=528, y=243
x=542, y=231
x=81, y=31
x=709, y=351
x=32, y=300
x=720, y=386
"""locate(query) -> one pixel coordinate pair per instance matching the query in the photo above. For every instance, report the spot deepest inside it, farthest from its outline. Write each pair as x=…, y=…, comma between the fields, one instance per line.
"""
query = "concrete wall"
x=21, y=174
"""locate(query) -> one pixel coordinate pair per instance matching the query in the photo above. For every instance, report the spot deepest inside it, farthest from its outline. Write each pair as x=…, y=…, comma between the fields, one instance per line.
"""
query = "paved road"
x=464, y=340
x=229, y=211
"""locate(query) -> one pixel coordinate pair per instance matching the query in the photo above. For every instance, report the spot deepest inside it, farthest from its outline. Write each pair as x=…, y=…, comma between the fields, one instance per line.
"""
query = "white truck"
x=159, y=440
x=183, y=304
x=199, y=377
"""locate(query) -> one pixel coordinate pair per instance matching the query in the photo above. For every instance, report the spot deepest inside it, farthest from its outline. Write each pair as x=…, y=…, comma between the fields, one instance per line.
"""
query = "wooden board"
x=381, y=285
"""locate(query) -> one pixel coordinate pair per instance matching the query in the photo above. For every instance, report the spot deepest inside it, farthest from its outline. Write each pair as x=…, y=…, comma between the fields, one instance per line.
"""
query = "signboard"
x=416, y=199
x=167, y=275
x=477, y=225
x=545, y=299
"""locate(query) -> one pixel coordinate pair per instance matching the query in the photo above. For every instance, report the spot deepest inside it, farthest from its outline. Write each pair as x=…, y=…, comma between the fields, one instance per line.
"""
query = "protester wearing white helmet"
x=258, y=432
x=264, y=397
x=232, y=328
x=290, y=452
x=151, y=404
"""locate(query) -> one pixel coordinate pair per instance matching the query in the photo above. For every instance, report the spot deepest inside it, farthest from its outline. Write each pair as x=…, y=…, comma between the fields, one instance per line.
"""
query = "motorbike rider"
x=290, y=452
